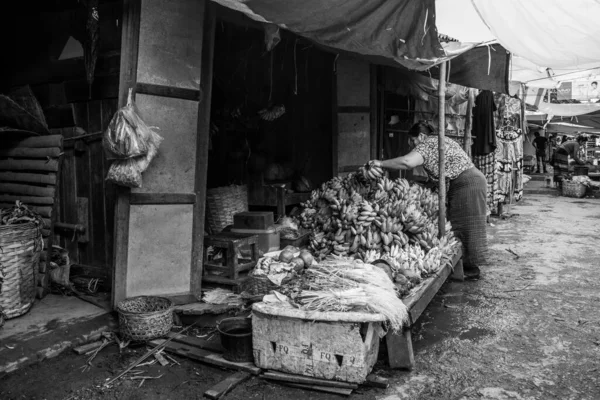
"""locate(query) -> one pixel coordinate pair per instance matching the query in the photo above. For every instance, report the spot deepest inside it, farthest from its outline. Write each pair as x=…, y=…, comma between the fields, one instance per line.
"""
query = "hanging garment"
x=509, y=164
x=483, y=124
x=487, y=165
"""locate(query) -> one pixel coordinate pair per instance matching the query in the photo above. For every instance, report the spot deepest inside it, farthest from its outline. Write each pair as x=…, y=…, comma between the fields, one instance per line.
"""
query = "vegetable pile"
x=366, y=215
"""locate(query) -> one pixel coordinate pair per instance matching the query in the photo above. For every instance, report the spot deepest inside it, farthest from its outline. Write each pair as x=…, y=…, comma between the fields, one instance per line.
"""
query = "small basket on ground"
x=20, y=248
x=145, y=318
x=573, y=189
x=222, y=203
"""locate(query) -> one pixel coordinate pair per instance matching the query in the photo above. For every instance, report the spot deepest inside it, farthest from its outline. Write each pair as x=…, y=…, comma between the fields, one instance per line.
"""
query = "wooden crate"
x=333, y=346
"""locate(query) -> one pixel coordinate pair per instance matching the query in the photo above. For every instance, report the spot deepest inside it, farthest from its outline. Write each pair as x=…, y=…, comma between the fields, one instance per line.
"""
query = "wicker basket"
x=573, y=189
x=145, y=318
x=20, y=248
x=222, y=203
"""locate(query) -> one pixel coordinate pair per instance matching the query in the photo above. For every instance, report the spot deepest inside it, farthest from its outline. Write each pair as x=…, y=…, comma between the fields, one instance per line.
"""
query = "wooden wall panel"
x=160, y=250
x=169, y=54
x=353, y=83
x=172, y=171
x=353, y=139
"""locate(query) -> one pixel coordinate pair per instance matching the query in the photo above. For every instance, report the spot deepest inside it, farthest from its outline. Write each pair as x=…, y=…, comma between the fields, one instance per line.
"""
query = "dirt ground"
x=529, y=329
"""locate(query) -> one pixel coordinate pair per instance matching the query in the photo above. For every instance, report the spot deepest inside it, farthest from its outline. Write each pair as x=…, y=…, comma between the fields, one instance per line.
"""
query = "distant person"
x=561, y=159
x=564, y=139
x=540, y=143
x=594, y=93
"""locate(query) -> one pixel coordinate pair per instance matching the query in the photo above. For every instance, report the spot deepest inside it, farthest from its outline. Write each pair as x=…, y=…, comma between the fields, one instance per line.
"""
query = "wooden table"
x=399, y=345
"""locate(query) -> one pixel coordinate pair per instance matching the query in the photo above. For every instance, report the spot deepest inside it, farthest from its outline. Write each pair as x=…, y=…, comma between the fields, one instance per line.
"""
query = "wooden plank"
x=42, y=280
x=96, y=218
x=27, y=190
x=307, y=380
x=226, y=385
x=441, y=151
x=8, y=198
x=214, y=346
x=46, y=179
x=205, y=356
x=202, y=142
x=80, y=112
x=162, y=198
x=26, y=152
x=377, y=381
x=130, y=36
x=168, y=91
x=29, y=165
x=94, y=116
x=68, y=197
x=87, y=347
x=344, y=392
x=83, y=217
x=82, y=176
x=400, y=350
x=417, y=302
x=35, y=142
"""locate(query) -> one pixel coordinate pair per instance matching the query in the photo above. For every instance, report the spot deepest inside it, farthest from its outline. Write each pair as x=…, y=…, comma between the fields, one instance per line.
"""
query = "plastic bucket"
x=236, y=339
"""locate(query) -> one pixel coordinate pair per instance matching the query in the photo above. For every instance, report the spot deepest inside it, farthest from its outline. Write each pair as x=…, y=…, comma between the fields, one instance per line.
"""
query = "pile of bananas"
x=272, y=113
x=369, y=216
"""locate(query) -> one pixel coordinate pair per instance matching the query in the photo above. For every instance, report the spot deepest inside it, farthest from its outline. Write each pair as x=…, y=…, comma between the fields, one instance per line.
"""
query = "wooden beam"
x=130, y=37
x=441, y=150
x=334, y=121
x=162, y=198
x=400, y=350
x=168, y=91
x=307, y=380
x=202, y=141
x=207, y=357
x=44, y=179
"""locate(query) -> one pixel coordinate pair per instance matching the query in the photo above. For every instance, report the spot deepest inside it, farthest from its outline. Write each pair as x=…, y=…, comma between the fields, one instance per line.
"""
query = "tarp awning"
x=399, y=32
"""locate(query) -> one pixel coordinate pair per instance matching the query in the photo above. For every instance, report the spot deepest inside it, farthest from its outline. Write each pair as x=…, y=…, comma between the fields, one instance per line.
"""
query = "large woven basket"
x=222, y=203
x=573, y=189
x=20, y=248
x=145, y=318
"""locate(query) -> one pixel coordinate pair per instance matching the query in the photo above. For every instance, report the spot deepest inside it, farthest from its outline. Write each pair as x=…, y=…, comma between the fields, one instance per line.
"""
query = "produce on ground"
x=368, y=216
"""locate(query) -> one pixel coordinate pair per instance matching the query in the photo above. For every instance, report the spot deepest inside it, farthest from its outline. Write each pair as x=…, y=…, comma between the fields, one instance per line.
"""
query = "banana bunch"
x=428, y=237
x=433, y=260
x=413, y=219
x=272, y=113
x=371, y=172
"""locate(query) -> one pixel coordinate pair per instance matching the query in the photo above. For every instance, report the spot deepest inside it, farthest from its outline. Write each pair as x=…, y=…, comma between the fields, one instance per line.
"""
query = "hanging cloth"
x=483, y=124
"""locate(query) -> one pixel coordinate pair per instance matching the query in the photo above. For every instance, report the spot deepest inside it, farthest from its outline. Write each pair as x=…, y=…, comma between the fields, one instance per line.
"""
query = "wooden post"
x=128, y=77
x=441, y=149
x=204, y=110
x=469, y=122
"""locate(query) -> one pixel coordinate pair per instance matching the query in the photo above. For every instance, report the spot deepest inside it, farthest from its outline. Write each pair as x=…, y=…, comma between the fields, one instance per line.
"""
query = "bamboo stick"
x=441, y=149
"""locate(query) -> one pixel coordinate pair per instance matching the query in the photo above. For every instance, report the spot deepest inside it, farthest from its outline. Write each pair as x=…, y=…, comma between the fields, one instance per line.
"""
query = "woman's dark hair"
x=581, y=139
x=421, y=127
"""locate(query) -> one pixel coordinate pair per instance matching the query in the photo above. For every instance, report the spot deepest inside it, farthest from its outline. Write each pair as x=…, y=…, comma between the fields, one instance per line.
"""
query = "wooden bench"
x=399, y=346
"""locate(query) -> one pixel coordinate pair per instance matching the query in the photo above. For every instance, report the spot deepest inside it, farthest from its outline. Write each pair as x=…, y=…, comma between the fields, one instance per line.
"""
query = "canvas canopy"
x=394, y=33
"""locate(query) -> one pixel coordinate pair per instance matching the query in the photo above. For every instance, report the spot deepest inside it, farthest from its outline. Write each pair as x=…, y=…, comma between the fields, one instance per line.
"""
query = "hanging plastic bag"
x=129, y=172
x=127, y=135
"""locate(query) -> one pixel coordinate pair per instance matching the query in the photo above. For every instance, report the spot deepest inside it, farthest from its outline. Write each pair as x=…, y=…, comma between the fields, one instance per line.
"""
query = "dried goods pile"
x=19, y=214
x=368, y=216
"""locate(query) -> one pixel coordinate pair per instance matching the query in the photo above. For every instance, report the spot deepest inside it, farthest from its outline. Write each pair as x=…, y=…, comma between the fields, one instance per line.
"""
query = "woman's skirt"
x=561, y=164
x=467, y=212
